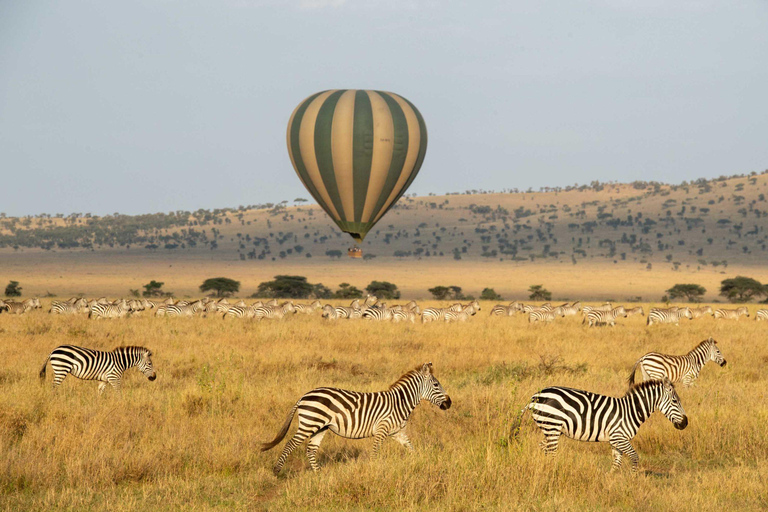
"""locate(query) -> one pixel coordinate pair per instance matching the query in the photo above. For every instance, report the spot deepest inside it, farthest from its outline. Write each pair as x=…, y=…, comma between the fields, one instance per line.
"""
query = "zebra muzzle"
x=446, y=404
x=723, y=363
x=682, y=424
x=152, y=377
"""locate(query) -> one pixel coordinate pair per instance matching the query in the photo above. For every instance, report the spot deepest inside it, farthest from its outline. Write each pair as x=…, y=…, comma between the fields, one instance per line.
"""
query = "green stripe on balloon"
x=399, y=151
x=323, y=152
x=362, y=150
x=301, y=169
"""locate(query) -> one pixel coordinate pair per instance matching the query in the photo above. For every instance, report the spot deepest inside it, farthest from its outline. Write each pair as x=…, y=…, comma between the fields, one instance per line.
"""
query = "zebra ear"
x=426, y=369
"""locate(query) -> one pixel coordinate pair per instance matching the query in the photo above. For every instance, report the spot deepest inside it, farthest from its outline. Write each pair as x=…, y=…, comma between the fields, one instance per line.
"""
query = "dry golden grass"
x=190, y=440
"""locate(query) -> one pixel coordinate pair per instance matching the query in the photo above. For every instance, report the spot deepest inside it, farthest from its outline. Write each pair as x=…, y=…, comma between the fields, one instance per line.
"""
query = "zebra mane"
x=131, y=349
x=407, y=376
x=642, y=386
x=708, y=341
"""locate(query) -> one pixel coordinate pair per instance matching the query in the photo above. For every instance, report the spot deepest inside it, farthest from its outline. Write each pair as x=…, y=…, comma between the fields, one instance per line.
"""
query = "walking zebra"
x=358, y=415
x=459, y=316
x=68, y=308
x=683, y=369
x=404, y=315
x=731, y=314
x=762, y=314
x=587, y=416
x=700, y=312
x=329, y=312
x=19, y=308
x=597, y=317
x=436, y=314
x=636, y=311
x=571, y=309
x=274, y=312
x=118, y=310
x=668, y=316
x=380, y=313
x=105, y=367
x=308, y=309
x=502, y=310
x=542, y=315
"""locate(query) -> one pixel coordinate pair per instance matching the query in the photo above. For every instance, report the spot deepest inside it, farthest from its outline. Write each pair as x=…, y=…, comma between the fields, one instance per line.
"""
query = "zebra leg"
x=291, y=445
x=114, y=381
x=312, y=446
x=378, y=437
x=551, y=440
x=622, y=446
x=402, y=438
x=102, y=387
x=58, y=378
x=616, y=459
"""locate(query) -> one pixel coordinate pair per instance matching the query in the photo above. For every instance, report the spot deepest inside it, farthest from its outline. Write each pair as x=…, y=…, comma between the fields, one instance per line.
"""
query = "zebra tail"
x=283, y=430
x=515, y=429
x=631, y=379
x=42, y=371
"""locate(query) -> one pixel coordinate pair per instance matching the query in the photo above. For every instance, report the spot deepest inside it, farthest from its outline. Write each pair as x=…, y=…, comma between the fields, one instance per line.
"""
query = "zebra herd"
x=19, y=308
x=587, y=416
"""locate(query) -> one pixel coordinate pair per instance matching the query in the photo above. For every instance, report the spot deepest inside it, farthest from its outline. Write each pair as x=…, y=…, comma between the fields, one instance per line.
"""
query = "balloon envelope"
x=356, y=151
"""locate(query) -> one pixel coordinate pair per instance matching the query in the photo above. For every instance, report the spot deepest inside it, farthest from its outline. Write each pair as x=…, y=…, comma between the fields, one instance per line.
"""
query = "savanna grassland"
x=190, y=440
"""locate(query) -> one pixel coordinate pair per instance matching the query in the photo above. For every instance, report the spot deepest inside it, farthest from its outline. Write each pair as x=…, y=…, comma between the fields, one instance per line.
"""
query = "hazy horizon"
x=162, y=106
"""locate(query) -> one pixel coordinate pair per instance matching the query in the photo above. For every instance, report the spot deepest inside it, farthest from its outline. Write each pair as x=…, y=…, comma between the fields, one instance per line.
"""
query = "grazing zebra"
x=668, y=316
x=636, y=311
x=358, y=415
x=412, y=306
x=118, y=310
x=274, y=312
x=329, y=312
x=597, y=317
x=731, y=314
x=587, y=416
x=308, y=309
x=106, y=367
x=762, y=314
x=700, y=312
x=404, y=315
x=678, y=368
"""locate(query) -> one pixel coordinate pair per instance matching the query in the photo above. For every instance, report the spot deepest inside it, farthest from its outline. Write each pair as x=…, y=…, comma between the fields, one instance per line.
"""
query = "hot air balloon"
x=356, y=152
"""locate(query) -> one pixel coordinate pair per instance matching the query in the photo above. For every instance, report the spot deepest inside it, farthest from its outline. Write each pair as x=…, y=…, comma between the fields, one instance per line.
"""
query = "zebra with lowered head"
x=683, y=369
x=587, y=416
x=668, y=316
x=359, y=415
x=731, y=314
x=105, y=367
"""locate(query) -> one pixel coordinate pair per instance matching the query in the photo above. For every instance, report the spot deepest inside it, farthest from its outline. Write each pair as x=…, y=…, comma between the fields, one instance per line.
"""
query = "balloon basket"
x=355, y=252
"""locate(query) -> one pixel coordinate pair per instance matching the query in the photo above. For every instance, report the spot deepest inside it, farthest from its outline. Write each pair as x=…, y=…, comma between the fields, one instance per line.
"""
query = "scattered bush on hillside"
x=447, y=293
x=490, y=294
x=292, y=287
x=154, y=289
x=347, y=291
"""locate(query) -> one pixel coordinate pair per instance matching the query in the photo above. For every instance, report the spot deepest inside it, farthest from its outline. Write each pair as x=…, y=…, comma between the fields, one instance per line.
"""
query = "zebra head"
x=714, y=352
x=670, y=405
x=144, y=364
x=432, y=390
x=686, y=313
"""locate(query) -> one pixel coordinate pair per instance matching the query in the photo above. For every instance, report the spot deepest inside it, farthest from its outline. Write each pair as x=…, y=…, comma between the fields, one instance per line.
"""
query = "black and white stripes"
x=683, y=369
x=105, y=367
x=358, y=415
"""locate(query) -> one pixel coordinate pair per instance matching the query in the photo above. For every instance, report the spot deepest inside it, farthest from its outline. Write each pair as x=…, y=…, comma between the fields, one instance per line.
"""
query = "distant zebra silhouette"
x=308, y=309
x=106, y=367
x=587, y=416
x=596, y=317
x=731, y=314
x=358, y=415
x=668, y=316
x=701, y=312
x=683, y=369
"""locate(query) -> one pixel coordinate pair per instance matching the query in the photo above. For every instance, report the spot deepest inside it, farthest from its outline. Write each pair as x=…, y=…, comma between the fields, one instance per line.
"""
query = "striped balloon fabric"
x=356, y=151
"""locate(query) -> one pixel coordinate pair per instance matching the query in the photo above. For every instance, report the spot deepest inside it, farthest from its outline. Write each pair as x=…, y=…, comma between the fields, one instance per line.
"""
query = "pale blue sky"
x=159, y=105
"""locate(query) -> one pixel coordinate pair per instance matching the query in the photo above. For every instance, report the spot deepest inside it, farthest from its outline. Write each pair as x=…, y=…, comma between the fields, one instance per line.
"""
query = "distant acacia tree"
x=691, y=292
x=223, y=286
x=333, y=253
x=292, y=287
x=154, y=289
x=490, y=294
x=383, y=290
x=13, y=289
x=347, y=291
x=447, y=293
x=538, y=292
x=742, y=289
